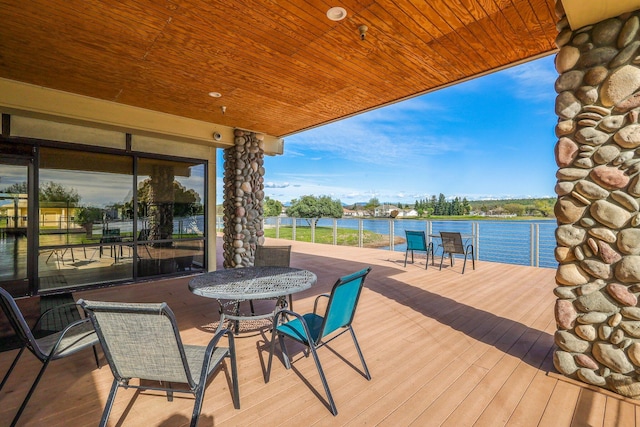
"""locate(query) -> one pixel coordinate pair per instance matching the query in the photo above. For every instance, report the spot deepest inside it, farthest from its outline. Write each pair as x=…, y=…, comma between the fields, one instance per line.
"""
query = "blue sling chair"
x=416, y=241
x=310, y=329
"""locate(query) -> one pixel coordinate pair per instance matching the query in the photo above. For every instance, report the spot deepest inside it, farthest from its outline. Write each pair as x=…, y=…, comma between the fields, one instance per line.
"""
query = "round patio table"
x=232, y=286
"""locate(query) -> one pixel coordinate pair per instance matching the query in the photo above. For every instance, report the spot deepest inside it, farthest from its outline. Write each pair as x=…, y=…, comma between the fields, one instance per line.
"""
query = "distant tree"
x=544, y=206
x=466, y=206
x=315, y=207
x=272, y=207
x=185, y=201
x=371, y=205
x=17, y=188
x=54, y=192
x=514, y=208
x=441, y=206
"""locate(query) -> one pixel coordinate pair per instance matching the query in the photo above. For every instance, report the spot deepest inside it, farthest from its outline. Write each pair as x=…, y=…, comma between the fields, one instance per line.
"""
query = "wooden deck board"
x=443, y=348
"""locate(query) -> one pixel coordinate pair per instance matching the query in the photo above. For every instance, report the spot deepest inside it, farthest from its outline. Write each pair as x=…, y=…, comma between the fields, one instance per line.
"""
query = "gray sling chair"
x=273, y=256
x=452, y=244
x=74, y=337
x=310, y=329
x=142, y=341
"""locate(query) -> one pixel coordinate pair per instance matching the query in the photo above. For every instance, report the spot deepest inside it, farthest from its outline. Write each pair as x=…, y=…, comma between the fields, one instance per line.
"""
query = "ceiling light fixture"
x=336, y=13
x=215, y=94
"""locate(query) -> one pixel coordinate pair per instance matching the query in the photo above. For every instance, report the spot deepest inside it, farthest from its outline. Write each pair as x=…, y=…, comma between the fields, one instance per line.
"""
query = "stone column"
x=598, y=239
x=161, y=202
x=243, y=196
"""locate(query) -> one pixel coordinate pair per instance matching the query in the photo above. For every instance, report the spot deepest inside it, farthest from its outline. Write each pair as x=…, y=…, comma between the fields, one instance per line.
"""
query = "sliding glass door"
x=14, y=221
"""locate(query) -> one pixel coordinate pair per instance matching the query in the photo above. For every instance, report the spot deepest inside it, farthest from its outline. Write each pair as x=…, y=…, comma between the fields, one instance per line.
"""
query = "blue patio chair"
x=416, y=241
x=310, y=329
x=76, y=336
x=452, y=244
x=142, y=341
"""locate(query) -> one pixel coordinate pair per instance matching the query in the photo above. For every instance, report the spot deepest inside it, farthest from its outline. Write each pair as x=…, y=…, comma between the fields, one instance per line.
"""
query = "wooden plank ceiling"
x=281, y=66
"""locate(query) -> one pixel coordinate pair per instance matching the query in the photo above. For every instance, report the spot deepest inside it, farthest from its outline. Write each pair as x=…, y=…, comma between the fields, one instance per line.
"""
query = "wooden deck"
x=443, y=349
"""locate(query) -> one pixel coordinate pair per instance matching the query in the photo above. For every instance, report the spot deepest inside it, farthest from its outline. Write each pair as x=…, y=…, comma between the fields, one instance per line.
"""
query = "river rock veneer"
x=598, y=239
x=243, y=197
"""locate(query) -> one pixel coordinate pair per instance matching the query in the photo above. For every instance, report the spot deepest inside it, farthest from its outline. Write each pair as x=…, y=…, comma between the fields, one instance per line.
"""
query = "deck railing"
x=512, y=242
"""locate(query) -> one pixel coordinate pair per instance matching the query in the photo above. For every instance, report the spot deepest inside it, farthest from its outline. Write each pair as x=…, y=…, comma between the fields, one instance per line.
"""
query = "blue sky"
x=491, y=137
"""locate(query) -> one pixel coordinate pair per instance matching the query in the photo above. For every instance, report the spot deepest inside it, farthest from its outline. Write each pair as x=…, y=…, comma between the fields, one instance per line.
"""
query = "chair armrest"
x=315, y=304
x=70, y=327
x=213, y=344
x=297, y=316
x=57, y=308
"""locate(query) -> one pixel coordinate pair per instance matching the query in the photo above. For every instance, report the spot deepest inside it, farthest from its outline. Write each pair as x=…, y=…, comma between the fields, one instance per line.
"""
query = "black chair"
x=310, y=329
x=73, y=338
x=452, y=244
x=416, y=241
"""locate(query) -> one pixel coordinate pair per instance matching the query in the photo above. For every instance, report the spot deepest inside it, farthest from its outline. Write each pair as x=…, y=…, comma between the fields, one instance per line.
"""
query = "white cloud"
x=529, y=77
x=276, y=185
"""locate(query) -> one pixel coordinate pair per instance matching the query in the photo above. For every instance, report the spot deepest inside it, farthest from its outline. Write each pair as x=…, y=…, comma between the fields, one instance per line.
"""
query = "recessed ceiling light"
x=336, y=13
x=215, y=94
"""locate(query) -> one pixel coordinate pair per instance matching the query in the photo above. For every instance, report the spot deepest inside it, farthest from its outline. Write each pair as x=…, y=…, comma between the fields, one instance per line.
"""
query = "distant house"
x=357, y=212
x=384, y=210
x=407, y=213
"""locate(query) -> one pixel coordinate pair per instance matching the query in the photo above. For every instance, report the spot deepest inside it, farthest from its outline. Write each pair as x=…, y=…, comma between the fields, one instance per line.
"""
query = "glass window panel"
x=171, y=215
x=170, y=199
x=83, y=218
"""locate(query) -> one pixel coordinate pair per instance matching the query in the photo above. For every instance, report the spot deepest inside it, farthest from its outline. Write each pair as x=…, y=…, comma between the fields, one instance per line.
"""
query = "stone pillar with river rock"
x=598, y=214
x=243, y=198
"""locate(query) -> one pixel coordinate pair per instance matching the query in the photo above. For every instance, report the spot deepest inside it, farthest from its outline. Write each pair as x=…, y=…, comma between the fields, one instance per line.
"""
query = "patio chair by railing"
x=73, y=338
x=310, y=329
x=143, y=341
x=417, y=241
x=452, y=244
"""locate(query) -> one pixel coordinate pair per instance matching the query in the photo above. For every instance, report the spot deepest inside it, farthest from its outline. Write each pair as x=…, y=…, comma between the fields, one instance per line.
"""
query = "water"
x=511, y=242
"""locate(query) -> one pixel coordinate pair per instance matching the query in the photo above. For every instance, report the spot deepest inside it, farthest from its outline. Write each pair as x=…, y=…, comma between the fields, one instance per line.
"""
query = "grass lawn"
x=345, y=236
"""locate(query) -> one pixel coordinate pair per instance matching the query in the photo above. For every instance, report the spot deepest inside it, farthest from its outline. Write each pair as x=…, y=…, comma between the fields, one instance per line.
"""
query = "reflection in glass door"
x=13, y=227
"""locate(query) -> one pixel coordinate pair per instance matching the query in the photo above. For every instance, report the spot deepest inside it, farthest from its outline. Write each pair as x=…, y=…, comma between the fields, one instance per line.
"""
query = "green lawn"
x=345, y=236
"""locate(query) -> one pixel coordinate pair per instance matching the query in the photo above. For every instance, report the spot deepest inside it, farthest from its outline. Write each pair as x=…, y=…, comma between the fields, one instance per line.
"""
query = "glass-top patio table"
x=232, y=286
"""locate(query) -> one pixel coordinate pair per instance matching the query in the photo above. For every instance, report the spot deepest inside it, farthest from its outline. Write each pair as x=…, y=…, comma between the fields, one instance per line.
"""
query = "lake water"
x=511, y=242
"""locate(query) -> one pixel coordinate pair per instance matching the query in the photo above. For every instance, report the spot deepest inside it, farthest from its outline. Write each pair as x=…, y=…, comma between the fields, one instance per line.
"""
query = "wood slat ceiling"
x=281, y=66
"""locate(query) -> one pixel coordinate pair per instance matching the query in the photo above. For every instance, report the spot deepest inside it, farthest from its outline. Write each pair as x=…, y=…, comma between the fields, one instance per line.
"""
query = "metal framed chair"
x=273, y=256
x=452, y=244
x=73, y=338
x=417, y=241
x=311, y=329
x=143, y=341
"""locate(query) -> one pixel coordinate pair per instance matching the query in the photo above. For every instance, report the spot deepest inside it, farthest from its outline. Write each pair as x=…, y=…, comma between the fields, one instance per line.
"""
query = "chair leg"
x=442, y=259
x=95, y=354
x=473, y=257
x=272, y=347
x=285, y=354
x=109, y=405
x=332, y=405
x=234, y=379
x=197, y=406
x=364, y=365
x=31, y=390
x=13, y=365
x=406, y=254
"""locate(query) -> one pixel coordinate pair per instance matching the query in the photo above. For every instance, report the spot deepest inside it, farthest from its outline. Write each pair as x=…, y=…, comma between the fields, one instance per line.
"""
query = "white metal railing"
x=512, y=242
